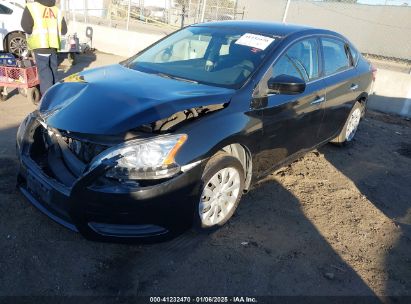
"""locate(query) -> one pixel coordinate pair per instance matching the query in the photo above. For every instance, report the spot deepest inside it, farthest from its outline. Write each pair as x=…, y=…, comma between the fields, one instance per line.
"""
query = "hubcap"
x=219, y=196
x=18, y=45
x=352, y=125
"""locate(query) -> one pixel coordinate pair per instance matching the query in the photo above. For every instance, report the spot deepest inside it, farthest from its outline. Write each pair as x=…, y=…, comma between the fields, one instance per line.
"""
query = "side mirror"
x=286, y=84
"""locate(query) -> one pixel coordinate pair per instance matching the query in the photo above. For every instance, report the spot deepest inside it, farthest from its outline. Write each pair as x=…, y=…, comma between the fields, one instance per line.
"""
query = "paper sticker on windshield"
x=255, y=41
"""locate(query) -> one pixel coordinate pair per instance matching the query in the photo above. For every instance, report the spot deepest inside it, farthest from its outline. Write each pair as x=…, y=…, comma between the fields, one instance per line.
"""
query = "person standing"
x=43, y=22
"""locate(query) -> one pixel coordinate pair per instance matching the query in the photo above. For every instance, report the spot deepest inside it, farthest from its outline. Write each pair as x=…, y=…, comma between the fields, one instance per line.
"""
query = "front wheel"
x=222, y=188
x=351, y=125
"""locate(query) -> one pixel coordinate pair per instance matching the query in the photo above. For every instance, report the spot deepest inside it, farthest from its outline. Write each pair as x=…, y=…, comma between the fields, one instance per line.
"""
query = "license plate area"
x=37, y=188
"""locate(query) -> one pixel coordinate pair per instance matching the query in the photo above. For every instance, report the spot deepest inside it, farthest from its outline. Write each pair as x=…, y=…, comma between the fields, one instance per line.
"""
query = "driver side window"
x=300, y=60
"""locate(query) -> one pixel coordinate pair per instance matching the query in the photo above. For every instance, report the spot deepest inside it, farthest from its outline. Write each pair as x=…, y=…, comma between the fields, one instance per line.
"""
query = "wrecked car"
x=174, y=136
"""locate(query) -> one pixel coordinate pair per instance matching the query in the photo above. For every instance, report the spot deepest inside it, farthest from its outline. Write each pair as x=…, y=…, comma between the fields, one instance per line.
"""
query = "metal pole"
x=85, y=10
x=189, y=10
x=110, y=10
x=198, y=12
x=74, y=14
x=286, y=10
x=203, y=10
x=128, y=14
x=141, y=9
x=183, y=14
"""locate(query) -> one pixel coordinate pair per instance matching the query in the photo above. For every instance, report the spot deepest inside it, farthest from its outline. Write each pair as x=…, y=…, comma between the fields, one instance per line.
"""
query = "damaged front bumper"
x=101, y=209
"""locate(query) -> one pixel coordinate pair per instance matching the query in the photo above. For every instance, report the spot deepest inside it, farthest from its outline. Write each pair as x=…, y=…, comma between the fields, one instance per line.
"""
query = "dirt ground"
x=336, y=222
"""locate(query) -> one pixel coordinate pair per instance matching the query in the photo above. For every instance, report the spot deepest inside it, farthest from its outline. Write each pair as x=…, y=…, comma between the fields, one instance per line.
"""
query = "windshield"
x=208, y=55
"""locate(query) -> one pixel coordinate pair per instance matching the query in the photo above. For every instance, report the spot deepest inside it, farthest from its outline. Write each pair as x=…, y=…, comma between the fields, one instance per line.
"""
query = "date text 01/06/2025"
x=239, y=299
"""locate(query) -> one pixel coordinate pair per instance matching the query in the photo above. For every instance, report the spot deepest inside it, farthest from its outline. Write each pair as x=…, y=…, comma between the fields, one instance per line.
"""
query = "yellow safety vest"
x=47, y=26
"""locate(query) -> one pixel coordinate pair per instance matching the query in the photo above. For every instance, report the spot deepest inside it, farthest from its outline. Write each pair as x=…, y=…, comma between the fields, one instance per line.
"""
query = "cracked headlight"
x=143, y=159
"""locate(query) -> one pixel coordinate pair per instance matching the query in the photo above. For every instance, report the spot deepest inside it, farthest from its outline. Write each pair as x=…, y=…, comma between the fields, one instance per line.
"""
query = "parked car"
x=12, y=37
x=175, y=135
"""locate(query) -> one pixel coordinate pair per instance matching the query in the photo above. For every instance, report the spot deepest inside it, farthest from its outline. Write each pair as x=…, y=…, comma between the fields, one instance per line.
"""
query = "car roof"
x=271, y=28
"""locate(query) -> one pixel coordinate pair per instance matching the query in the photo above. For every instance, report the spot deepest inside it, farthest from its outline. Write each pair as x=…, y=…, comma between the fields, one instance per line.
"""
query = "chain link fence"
x=130, y=14
x=376, y=27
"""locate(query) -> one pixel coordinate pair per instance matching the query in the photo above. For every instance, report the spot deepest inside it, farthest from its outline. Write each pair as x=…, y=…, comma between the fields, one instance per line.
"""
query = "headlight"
x=144, y=159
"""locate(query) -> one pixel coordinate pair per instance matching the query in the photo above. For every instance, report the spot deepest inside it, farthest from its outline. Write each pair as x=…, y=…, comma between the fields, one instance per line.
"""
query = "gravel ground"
x=335, y=222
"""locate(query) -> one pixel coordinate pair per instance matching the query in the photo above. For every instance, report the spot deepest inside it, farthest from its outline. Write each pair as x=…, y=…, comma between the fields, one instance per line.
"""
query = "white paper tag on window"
x=255, y=41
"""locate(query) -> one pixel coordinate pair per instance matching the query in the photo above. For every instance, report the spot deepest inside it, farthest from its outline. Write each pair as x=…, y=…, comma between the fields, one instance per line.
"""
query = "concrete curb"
x=392, y=93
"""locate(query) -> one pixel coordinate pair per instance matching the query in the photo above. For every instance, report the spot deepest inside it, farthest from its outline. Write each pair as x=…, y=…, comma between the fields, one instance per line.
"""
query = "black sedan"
x=174, y=136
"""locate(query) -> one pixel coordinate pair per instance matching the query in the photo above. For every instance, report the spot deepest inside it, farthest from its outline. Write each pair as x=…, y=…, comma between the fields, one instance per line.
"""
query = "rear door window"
x=336, y=55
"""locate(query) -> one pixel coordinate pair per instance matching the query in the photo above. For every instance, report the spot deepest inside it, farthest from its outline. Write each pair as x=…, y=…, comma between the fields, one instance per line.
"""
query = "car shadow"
x=379, y=163
x=269, y=248
x=83, y=61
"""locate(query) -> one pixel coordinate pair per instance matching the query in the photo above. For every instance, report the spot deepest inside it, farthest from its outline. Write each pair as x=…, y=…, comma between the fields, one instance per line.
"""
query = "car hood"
x=115, y=99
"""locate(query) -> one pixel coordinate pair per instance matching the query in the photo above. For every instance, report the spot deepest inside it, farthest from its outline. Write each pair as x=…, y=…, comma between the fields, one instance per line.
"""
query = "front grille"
x=39, y=151
x=85, y=151
x=46, y=152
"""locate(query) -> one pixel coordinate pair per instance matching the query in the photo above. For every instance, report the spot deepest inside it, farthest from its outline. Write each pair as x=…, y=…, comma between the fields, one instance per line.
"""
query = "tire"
x=215, y=208
x=16, y=43
x=33, y=95
x=351, y=125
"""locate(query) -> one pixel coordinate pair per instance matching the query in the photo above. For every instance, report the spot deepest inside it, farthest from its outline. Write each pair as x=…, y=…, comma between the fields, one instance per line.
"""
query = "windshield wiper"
x=176, y=78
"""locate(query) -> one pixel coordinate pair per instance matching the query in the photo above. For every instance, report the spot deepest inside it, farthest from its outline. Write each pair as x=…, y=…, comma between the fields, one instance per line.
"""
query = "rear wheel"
x=222, y=188
x=351, y=125
x=16, y=43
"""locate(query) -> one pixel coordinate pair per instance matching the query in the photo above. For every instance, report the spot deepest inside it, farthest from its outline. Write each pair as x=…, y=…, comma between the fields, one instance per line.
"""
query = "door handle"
x=318, y=100
x=354, y=87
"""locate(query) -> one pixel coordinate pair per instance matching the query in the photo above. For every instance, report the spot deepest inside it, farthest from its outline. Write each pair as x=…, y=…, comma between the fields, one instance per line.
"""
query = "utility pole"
x=286, y=10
